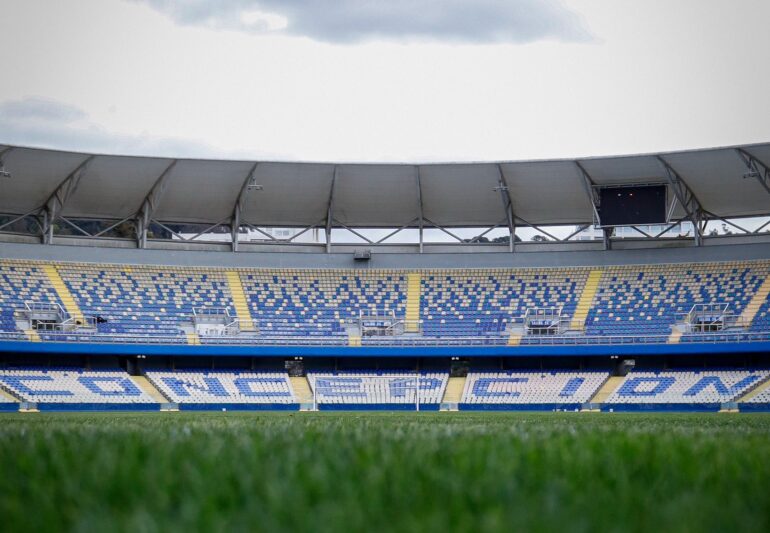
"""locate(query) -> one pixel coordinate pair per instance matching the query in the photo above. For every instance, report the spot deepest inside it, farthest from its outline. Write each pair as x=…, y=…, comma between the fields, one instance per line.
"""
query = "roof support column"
x=686, y=198
x=235, y=221
x=590, y=188
x=419, y=203
x=149, y=205
x=505, y=195
x=55, y=203
x=330, y=213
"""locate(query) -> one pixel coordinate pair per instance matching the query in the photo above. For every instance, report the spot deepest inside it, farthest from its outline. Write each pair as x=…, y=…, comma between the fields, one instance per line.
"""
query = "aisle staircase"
x=144, y=384
x=763, y=386
x=193, y=338
x=32, y=335
x=453, y=392
x=8, y=396
x=759, y=298
x=354, y=339
x=676, y=335
x=414, y=281
x=610, y=386
x=240, y=302
x=67, y=300
x=302, y=391
x=586, y=298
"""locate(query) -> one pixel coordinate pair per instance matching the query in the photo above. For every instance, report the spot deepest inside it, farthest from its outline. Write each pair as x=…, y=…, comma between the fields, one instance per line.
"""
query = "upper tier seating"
x=236, y=387
x=683, y=387
x=482, y=302
x=142, y=299
x=762, y=319
x=385, y=387
x=649, y=300
x=317, y=302
x=22, y=282
x=137, y=301
x=72, y=386
x=534, y=387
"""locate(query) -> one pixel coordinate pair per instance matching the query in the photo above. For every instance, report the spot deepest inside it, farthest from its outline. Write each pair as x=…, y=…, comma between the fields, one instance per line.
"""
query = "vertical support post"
x=56, y=202
x=505, y=194
x=330, y=212
x=419, y=204
x=588, y=184
x=149, y=205
x=235, y=223
x=686, y=198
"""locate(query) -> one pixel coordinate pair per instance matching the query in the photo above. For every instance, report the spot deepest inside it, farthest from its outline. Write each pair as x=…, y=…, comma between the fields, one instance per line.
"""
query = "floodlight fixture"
x=751, y=174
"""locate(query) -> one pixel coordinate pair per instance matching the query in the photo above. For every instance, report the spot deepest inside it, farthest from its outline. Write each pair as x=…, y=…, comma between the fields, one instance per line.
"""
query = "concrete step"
x=759, y=298
x=413, y=294
x=454, y=390
x=8, y=396
x=144, y=384
x=762, y=386
x=240, y=301
x=610, y=386
x=586, y=299
x=301, y=388
x=64, y=294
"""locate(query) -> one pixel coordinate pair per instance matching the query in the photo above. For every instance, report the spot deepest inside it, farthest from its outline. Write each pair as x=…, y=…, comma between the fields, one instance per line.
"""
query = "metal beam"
x=590, y=188
x=757, y=168
x=394, y=232
x=354, y=232
x=4, y=173
x=150, y=205
x=419, y=202
x=235, y=222
x=505, y=195
x=56, y=202
x=686, y=198
x=330, y=212
x=443, y=229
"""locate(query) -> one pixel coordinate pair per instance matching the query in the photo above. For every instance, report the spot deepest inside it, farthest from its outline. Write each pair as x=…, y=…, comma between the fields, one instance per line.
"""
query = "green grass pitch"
x=384, y=472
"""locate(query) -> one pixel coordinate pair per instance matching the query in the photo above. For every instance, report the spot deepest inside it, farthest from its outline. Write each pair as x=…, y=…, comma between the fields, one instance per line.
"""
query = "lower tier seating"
x=73, y=386
x=515, y=387
x=362, y=387
x=236, y=387
x=686, y=387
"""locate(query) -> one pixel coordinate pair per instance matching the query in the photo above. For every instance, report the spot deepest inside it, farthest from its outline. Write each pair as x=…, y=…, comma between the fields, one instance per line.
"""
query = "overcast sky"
x=387, y=80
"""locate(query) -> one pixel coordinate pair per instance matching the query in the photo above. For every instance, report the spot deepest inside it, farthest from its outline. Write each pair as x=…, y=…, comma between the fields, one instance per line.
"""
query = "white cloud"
x=44, y=123
x=350, y=21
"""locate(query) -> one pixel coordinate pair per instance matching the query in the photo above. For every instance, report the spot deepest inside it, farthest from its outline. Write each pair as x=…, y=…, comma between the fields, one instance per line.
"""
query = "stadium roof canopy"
x=723, y=182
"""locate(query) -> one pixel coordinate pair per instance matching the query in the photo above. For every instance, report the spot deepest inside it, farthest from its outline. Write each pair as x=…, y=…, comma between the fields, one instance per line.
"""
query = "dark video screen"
x=631, y=206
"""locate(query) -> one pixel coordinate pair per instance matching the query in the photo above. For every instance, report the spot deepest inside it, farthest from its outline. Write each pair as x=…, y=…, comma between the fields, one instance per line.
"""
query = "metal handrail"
x=342, y=340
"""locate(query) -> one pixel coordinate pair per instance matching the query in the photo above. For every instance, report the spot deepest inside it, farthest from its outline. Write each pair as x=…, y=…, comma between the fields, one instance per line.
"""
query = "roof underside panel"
x=716, y=177
x=625, y=170
x=292, y=194
x=369, y=195
x=202, y=191
x=536, y=187
x=114, y=187
x=376, y=195
x=35, y=176
x=461, y=194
